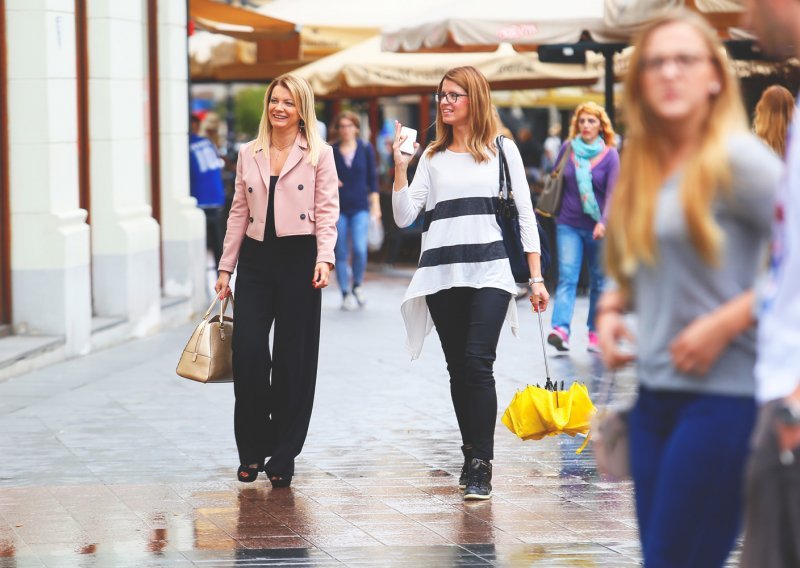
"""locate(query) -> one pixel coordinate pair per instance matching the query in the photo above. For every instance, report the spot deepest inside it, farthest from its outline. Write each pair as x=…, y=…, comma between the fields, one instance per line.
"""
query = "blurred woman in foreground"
x=688, y=225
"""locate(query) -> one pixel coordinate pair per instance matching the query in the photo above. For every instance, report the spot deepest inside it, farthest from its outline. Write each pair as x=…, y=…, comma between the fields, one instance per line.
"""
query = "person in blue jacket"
x=205, y=178
x=358, y=200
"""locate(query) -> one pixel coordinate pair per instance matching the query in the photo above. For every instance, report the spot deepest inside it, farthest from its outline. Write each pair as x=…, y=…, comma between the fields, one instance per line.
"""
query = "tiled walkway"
x=112, y=460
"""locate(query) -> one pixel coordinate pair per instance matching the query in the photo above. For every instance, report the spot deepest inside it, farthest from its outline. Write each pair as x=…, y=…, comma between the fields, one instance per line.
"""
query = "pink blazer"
x=306, y=200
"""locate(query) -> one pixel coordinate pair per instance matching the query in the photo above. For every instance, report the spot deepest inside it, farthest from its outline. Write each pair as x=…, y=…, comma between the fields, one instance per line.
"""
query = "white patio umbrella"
x=364, y=70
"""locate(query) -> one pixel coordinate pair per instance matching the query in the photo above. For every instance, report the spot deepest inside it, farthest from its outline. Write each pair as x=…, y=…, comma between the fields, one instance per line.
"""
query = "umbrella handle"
x=544, y=351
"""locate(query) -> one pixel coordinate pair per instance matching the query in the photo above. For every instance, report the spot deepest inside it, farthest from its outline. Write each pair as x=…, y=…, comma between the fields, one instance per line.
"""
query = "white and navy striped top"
x=462, y=245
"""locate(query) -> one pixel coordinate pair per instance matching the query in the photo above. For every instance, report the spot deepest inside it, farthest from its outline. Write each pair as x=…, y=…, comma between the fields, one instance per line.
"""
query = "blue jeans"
x=688, y=455
x=572, y=244
x=353, y=228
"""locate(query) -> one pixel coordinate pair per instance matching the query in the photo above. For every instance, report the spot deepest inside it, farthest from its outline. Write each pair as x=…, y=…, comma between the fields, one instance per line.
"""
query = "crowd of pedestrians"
x=674, y=230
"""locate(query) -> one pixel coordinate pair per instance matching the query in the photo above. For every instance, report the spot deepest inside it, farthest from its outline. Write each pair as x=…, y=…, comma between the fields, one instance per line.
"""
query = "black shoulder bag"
x=508, y=220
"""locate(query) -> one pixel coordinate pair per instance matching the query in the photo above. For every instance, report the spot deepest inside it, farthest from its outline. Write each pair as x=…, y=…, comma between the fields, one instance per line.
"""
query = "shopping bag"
x=375, y=234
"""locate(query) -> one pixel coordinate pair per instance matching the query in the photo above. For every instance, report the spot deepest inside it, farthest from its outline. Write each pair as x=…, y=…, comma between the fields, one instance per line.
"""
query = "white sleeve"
x=522, y=197
x=409, y=201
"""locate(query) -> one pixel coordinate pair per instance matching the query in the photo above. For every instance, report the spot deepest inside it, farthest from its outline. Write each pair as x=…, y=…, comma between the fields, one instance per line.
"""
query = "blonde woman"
x=773, y=116
x=463, y=285
x=589, y=178
x=281, y=235
x=688, y=225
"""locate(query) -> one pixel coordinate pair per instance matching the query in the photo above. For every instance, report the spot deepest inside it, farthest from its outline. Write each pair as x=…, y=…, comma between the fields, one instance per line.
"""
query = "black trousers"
x=215, y=231
x=468, y=321
x=772, y=499
x=275, y=392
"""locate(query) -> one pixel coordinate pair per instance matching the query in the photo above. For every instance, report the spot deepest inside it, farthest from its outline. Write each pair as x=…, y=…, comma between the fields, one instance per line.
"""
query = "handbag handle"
x=564, y=157
x=223, y=305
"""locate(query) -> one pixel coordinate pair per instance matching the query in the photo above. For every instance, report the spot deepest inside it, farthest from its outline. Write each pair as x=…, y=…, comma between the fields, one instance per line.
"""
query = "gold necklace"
x=278, y=148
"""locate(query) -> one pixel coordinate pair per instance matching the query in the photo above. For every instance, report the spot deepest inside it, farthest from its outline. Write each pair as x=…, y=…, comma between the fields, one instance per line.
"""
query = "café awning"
x=365, y=71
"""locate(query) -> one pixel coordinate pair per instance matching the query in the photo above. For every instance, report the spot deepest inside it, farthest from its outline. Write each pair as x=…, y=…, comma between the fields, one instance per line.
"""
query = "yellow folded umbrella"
x=537, y=412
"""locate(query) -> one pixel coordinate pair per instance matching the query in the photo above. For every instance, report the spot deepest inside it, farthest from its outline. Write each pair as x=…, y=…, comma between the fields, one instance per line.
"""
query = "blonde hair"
x=773, y=116
x=630, y=235
x=595, y=110
x=304, y=102
x=499, y=126
x=482, y=126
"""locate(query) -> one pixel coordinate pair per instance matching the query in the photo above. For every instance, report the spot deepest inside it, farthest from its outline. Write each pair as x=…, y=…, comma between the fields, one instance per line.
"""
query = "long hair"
x=344, y=115
x=773, y=116
x=630, y=235
x=304, y=102
x=482, y=127
x=594, y=109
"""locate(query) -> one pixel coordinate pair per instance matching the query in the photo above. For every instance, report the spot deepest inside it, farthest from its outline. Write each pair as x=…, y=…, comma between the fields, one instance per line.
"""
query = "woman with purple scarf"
x=589, y=177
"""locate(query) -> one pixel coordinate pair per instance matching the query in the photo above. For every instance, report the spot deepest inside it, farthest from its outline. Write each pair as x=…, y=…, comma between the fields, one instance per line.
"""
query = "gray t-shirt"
x=681, y=287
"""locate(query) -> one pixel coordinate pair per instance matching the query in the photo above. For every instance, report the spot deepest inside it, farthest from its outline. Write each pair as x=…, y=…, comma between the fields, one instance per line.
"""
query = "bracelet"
x=532, y=281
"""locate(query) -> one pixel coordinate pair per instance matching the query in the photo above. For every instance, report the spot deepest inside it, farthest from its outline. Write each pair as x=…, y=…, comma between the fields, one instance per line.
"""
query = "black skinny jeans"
x=468, y=321
x=275, y=393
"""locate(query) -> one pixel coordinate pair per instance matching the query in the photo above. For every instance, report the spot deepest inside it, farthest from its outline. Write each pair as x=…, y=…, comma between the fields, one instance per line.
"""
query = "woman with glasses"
x=358, y=201
x=688, y=226
x=589, y=178
x=463, y=284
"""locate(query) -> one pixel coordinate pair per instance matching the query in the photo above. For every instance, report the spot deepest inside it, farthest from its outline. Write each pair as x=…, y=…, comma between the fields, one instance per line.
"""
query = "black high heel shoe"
x=278, y=481
x=247, y=474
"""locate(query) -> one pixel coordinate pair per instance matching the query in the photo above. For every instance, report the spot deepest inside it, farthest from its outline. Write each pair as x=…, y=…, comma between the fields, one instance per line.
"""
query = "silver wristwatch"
x=532, y=281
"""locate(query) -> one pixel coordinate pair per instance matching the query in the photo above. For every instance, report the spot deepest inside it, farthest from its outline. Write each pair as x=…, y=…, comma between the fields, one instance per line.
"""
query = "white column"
x=182, y=223
x=50, y=239
x=125, y=237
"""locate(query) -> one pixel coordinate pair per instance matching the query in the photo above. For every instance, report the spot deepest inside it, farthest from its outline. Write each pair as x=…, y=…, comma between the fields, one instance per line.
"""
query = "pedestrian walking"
x=688, y=226
x=205, y=182
x=773, y=116
x=589, y=178
x=280, y=238
x=772, y=497
x=550, y=148
x=358, y=201
x=463, y=284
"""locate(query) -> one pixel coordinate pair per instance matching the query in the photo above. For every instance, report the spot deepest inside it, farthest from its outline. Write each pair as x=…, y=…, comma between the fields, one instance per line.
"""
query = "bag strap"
x=608, y=385
x=505, y=175
x=564, y=157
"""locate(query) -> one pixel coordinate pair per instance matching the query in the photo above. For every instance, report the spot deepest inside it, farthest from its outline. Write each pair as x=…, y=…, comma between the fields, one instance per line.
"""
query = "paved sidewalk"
x=112, y=460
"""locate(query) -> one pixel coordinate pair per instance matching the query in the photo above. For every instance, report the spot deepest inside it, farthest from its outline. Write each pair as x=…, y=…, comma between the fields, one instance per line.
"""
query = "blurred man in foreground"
x=773, y=479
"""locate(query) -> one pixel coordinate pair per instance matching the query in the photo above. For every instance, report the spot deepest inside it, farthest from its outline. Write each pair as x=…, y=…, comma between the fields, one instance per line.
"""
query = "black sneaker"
x=479, y=480
x=462, y=479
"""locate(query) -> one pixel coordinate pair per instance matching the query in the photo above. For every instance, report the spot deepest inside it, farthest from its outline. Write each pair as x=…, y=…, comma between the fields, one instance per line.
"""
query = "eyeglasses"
x=682, y=62
x=451, y=98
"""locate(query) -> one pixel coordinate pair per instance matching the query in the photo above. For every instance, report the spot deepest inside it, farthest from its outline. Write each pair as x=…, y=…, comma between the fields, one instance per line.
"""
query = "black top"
x=273, y=180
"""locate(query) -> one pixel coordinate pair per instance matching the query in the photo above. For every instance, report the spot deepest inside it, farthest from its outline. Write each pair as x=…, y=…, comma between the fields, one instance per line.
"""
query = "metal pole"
x=608, y=54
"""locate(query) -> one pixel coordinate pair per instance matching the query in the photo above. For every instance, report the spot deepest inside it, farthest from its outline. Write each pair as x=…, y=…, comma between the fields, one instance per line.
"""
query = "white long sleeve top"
x=462, y=245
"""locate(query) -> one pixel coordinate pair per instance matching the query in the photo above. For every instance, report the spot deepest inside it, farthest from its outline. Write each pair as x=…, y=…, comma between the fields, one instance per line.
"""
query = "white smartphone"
x=407, y=147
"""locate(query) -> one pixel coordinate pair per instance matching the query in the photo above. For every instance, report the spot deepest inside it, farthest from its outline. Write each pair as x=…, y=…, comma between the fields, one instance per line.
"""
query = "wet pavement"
x=113, y=460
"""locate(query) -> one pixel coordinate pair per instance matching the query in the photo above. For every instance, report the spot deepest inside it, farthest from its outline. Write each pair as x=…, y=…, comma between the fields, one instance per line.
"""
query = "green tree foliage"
x=248, y=106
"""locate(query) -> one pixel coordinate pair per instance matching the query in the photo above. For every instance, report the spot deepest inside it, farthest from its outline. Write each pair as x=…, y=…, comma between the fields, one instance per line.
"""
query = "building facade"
x=96, y=218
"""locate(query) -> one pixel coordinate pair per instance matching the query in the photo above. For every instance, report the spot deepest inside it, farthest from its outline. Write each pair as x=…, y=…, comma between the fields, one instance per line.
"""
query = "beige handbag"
x=609, y=433
x=208, y=357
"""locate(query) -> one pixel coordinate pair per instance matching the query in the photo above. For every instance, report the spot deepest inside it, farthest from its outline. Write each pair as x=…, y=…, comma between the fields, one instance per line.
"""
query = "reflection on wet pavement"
x=111, y=460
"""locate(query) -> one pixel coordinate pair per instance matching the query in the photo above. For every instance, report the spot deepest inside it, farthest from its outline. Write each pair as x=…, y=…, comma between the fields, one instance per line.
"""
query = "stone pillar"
x=182, y=223
x=50, y=238
x=125, y=237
